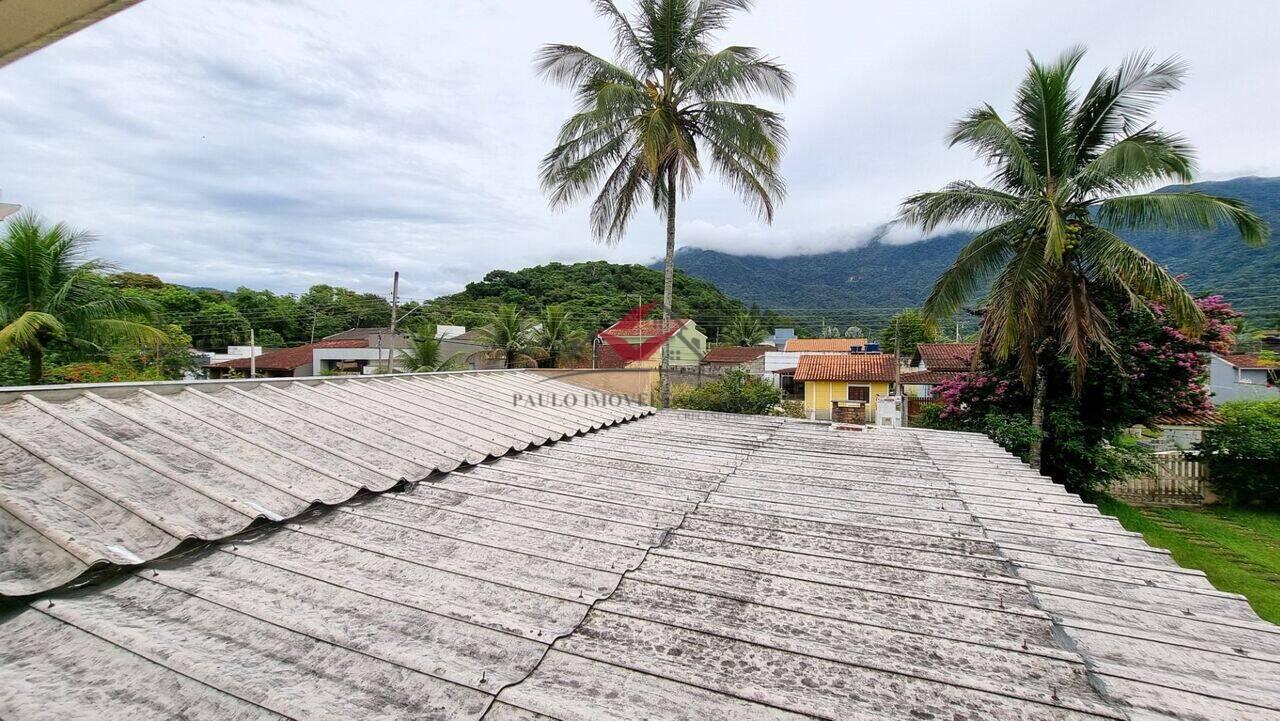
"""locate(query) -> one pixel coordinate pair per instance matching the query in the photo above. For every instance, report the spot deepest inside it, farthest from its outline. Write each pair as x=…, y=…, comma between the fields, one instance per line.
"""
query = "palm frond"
x=1184, y=210
x=1109, y=258
x=1082, y=328
x=118, y=329
x=1141, y=158
x=24, y=332
x=972, y=266
x=734, y=72
x=988, y=134
x=958, y=202
x=573, y=65
x=1122, y=100
x=626, y=42
x=1043, y=105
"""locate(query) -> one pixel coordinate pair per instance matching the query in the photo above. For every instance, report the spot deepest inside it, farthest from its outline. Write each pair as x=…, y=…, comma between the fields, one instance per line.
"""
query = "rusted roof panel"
x=122, y=475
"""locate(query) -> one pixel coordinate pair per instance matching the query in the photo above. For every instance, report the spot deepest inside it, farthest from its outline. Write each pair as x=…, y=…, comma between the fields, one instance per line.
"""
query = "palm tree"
x=1069, y=172
x=509, y=334
x=642, y=121
x=48, y=293
x=556, y=339
x=745, y=330
x=425, y=355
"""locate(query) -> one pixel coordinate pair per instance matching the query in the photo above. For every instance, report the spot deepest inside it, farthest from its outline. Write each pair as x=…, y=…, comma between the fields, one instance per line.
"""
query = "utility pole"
x=253, y=356
x=897, y=362
x=395, y=305
x=313, y=326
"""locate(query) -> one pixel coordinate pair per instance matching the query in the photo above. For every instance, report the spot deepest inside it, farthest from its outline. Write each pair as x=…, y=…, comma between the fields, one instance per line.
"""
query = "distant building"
x=687, y=346
x=1241, y=377
x=748, y=358
x=826, y=345
x=933, y=363
x=380, y=345
x=297, y=362
x=845, y=387
x=780, y=337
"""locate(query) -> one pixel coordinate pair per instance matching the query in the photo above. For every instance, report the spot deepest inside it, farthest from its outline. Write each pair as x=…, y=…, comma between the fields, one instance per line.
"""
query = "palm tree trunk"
x=35, y=369
x=668, y=281
x=1037, y=415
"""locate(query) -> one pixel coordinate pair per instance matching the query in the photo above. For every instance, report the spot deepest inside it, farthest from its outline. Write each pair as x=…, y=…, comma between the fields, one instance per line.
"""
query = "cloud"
x=280, y=145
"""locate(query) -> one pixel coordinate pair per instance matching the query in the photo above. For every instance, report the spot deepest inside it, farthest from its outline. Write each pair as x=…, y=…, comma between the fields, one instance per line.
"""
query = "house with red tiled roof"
x=296, y=362
x=825, y=345
x=639, y=342
x=845, y=388
x=933, y=363
x=1243, y=377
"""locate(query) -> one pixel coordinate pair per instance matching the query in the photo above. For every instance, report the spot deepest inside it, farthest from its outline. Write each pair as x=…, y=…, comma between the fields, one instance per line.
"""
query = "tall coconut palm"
x=745, y=329
x=556, y=337
x=49, y=293
x=425, y=354
x=509, y=335
x=645, y=121
x=1070, y=171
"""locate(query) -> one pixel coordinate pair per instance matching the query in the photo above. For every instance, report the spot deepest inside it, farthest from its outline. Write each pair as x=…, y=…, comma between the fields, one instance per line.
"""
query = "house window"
x=862, y=394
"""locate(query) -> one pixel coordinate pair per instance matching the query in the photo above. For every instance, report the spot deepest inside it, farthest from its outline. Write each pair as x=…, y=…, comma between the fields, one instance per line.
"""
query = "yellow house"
x=844, y=387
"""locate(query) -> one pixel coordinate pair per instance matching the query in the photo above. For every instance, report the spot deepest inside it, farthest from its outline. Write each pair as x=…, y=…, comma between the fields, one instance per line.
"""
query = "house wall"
x=687, y=346
x=1228, y=383
x=818, y=396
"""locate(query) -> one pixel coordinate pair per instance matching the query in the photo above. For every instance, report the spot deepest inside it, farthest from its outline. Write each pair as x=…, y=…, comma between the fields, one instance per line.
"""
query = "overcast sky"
x=282, y=144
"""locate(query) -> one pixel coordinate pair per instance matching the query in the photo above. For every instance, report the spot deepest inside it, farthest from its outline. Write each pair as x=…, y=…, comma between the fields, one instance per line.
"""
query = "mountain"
x=596, y=293
x=866, y=284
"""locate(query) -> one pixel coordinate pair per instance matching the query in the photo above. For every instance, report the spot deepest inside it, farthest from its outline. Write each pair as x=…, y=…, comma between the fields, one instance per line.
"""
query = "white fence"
x=1176, y=481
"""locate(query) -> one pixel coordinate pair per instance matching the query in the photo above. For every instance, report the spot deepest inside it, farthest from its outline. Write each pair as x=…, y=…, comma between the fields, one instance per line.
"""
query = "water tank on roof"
x=873, y=348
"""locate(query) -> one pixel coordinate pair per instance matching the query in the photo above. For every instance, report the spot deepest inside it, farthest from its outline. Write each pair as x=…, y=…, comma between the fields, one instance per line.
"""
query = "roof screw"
x=1240, y=651
x=1053, y=692
x=154, y=573
x=1187, y=612
x=1024, y=644
x=50, y=604
x=579, y=594
x=483, y=677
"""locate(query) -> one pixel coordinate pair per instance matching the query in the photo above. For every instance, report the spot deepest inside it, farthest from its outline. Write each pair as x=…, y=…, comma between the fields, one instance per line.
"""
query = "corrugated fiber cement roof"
x=677, y=566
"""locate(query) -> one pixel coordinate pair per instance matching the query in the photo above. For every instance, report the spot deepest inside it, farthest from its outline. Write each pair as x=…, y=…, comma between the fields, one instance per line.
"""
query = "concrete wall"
x=635, y=384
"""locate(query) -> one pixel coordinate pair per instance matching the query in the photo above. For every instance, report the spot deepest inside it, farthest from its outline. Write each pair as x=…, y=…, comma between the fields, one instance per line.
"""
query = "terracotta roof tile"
x=644, y=329
x=928, y=378
x=1198, y=418
x=1244, y=360
x=735, y=354
x=819, y=345
x=862, y=367
x=287, y=359
x=946, y=356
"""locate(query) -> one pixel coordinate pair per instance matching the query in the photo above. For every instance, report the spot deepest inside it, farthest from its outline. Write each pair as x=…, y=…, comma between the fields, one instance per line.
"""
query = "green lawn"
x=1238, y=550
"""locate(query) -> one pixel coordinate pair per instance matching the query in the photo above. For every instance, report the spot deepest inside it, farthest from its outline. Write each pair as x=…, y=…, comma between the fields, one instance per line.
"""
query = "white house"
x=1241, y=377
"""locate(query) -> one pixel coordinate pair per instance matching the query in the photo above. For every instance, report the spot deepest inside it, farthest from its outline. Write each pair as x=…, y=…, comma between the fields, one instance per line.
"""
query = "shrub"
x=1243, y=454
x=791, y=409
x=734, y=392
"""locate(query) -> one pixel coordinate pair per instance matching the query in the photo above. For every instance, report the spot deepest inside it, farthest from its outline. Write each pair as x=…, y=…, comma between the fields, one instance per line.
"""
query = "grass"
x=1239, y=550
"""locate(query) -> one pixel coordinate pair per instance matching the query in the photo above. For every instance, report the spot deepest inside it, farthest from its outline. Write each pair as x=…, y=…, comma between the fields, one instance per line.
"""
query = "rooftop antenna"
x=395, y=305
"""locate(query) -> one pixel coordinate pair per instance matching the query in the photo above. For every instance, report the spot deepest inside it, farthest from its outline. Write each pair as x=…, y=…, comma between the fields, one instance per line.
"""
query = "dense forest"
x=867, y=284
x=595, y=293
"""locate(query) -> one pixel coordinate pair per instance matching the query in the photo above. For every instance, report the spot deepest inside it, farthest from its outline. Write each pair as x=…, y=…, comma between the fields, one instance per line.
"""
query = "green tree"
x=644, y=121
x=746, y=329
x=425, y=354
x=734, y=392
x=909, y=328
x=556, y=338
x=219, y=325
x=268, y=338
x=1069, y=169
x=48, y=293
x=1244, y=452
x=509, y=334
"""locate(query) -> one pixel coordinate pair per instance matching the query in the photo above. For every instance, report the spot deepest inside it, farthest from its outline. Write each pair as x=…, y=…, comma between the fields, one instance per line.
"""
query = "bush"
x=1243, y=454
x=791, y=409
x=735, y=392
